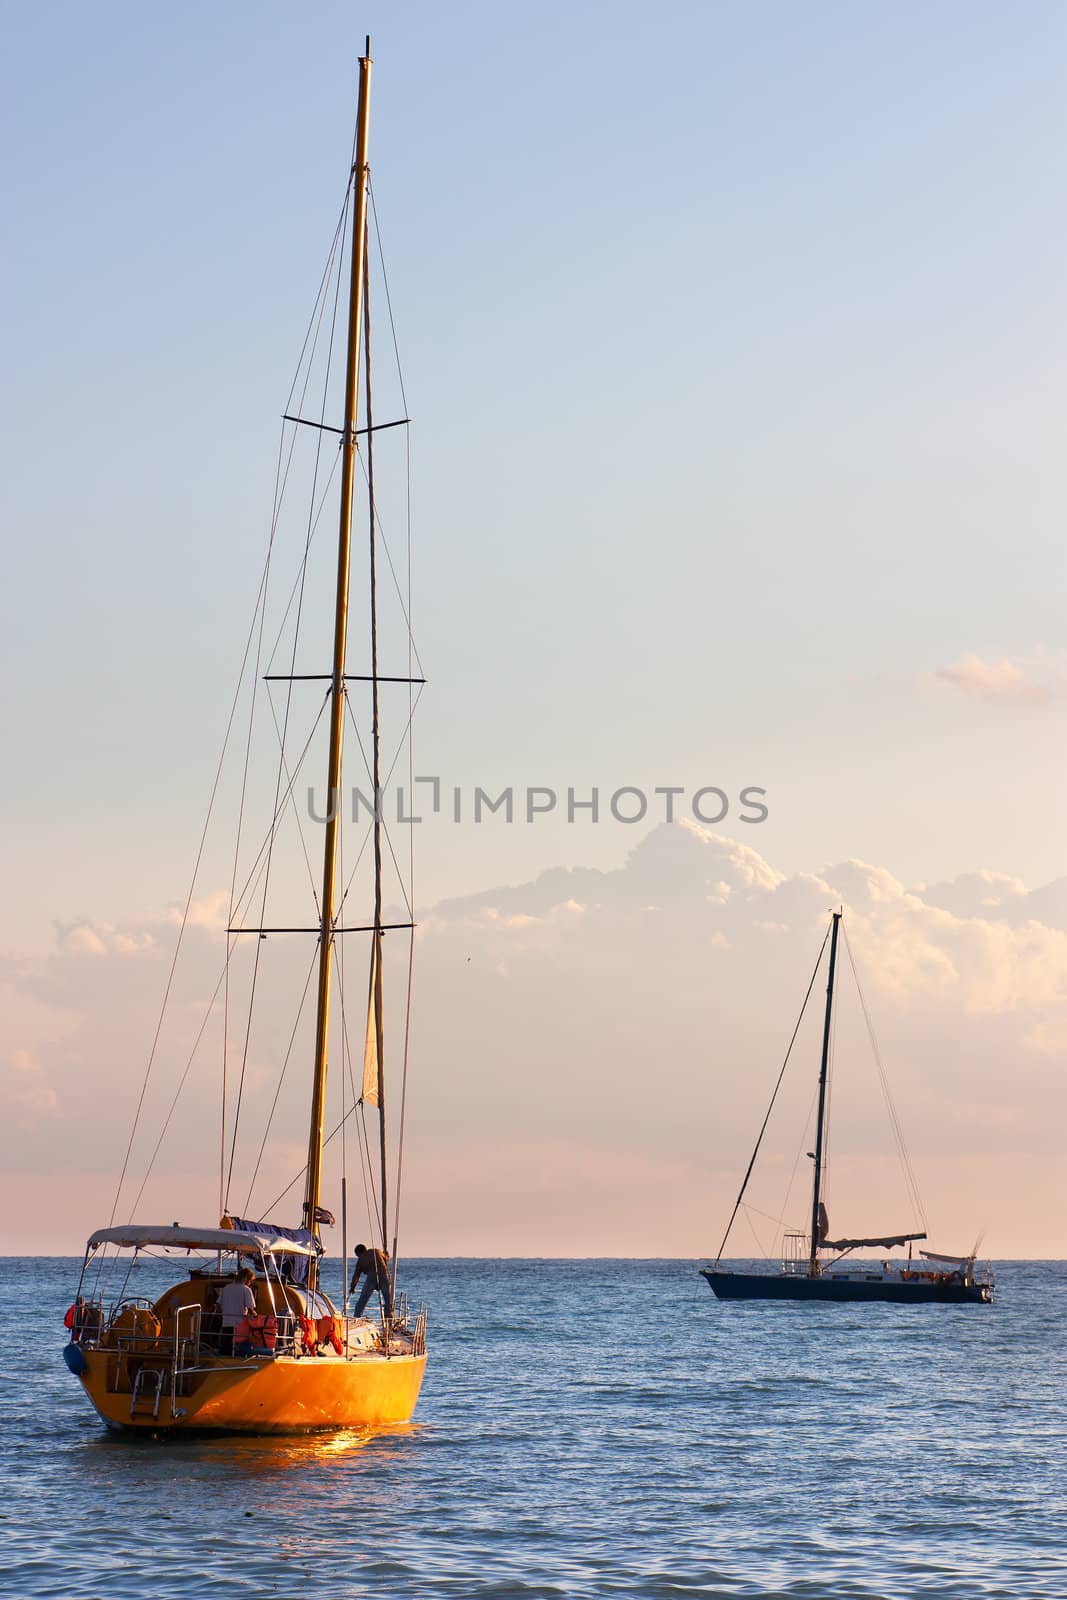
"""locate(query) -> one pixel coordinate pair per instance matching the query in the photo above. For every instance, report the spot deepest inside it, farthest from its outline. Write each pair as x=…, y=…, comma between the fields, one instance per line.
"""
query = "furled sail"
x=293, y=1265
x=372, y=1053
x=887, y=1242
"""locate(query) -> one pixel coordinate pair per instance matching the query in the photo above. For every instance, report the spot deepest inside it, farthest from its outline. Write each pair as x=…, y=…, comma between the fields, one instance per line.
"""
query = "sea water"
x=585, y=1428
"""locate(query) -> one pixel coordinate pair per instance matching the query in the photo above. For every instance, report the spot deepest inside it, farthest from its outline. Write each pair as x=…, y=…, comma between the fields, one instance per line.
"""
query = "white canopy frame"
x=136, y=1236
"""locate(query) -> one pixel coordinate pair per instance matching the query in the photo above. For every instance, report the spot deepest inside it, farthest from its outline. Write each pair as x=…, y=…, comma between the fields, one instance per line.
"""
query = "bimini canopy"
x=135, y=1236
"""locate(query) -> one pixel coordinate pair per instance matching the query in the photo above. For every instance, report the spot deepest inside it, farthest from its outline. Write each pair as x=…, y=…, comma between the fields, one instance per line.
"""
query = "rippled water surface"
x=591, y=1428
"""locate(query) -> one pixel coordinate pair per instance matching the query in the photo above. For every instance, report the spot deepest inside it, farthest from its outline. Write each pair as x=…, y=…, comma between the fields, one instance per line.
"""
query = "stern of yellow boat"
x=260, y=1394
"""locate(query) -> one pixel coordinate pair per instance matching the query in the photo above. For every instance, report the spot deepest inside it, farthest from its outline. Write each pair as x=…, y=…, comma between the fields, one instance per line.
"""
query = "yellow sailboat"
x=247, y=1340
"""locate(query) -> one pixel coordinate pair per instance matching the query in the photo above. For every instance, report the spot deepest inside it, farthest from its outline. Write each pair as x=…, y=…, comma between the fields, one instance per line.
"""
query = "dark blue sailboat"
x=806, y=1273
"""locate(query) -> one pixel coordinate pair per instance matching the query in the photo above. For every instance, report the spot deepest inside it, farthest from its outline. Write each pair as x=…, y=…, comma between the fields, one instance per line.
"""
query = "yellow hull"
x=282, y=1395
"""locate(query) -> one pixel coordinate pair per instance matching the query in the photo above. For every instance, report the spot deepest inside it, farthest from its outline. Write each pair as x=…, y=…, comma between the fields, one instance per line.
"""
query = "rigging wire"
x=414, y=694
x=376, y=776
x=281, y=1080
x=297, y=1178
x=365, y=1162
x=298, y=580
x=313, y=515
x=760, y=1246
x=781, y=1226
x=894, y=1119
x=177, y=1093
x=385, y=785
x=252, y=881
x=253, y=884
x=365, y=1166
x=281, y=482
x=288, y=800
x=411, y=831
x=805, y=1138
x=339, y=234
x=779, y=1222
x=831, y=1061
x=363, y=1146
x=774, y=1096
x=288, y=699
x=225, y=1195
x=256, y=614
x=188, y=903
x=405, y=605
x=403, y=1102
x=384, y=825
x=376, y=781
x=258, y=873
x=373, y=1209
x=338, y=955
x=392, y=569
x=388, y=296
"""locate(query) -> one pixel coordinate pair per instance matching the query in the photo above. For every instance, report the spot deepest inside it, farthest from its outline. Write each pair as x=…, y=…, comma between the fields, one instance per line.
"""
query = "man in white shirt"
x=235, y=1299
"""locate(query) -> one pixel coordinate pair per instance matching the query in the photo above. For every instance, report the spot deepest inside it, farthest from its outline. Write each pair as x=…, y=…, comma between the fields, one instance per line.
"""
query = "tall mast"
x=820, y=1132
x=337, y=688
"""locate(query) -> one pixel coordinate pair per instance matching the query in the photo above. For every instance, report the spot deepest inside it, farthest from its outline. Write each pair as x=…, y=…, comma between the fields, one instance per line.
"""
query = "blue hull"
x=784, y=1286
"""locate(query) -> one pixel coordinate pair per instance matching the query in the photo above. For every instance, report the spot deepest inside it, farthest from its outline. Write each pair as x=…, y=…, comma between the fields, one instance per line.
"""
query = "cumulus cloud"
x=995, y=682
x=612, y=1035
x=975, y=943
x=82, y=940
x=211, y=912
x=100, y=939
x=668, y=1011
x=998, y=897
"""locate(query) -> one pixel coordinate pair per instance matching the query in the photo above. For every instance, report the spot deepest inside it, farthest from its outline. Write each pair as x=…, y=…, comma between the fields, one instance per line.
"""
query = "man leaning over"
x=373, y=1267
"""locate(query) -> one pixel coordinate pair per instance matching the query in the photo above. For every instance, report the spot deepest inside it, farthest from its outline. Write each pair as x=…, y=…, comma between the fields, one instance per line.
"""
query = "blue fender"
x=74, y=1356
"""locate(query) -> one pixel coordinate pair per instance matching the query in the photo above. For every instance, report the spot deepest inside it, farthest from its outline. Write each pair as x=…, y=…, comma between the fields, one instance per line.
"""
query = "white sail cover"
x=135, y=1236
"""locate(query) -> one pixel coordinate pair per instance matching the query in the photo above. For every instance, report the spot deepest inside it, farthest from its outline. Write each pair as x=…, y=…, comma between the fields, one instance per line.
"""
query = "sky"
x=733, y=343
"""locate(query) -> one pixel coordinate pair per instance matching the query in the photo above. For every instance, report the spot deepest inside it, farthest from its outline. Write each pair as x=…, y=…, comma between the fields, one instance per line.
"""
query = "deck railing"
x=796, y=1249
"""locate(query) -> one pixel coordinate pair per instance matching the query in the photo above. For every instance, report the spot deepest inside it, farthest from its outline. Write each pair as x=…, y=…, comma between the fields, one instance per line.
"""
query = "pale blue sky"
x=735, y=345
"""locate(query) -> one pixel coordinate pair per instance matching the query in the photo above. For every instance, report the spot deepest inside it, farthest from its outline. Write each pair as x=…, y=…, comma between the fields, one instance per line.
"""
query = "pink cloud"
x=996, y=682
x=604, y=1097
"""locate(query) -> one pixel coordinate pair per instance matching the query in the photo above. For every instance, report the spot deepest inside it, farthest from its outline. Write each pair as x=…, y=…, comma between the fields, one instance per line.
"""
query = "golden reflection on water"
x=256, y=1456
x=272, y=1454
x=253, y=1455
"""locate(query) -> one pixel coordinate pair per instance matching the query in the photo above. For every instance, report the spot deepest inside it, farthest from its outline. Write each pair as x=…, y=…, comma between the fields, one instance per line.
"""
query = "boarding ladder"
x=147, y=1392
